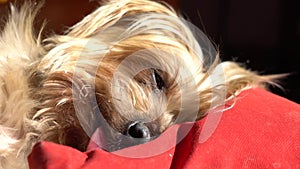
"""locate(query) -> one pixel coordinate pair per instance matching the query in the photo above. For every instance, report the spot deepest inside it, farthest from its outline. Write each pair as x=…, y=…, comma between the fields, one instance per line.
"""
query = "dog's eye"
x=158, y=80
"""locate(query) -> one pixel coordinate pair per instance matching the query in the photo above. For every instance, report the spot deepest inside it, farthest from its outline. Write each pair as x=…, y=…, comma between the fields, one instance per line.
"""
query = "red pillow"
x=262, y=130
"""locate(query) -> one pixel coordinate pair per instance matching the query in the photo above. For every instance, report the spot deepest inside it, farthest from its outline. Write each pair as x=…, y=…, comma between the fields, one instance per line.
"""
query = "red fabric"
x=262, y=130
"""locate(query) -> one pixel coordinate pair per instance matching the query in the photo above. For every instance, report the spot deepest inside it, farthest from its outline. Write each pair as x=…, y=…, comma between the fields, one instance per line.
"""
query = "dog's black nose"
x=138, y=130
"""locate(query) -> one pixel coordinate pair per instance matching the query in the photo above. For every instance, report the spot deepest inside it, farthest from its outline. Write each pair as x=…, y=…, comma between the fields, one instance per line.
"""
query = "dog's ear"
x=56, y=110
x=114, y=10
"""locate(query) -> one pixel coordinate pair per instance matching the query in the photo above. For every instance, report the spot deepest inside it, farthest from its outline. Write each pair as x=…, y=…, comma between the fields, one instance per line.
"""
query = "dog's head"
x=133, y=67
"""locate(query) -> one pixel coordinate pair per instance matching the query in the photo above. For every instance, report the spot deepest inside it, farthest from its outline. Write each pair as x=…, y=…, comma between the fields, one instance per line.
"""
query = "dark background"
x=264, y=35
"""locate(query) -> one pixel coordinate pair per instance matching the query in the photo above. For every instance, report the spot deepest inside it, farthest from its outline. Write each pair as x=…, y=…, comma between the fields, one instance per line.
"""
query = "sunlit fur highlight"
x=37, y=75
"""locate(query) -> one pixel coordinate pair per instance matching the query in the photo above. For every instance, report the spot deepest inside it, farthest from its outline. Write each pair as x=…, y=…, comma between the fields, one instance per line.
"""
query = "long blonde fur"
x=36, y=79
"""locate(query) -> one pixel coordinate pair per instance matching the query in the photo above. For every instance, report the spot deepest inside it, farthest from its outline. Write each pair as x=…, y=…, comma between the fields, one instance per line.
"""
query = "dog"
x=134, y=67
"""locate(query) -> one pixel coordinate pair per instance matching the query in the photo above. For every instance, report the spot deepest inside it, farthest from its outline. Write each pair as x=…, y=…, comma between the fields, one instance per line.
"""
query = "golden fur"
x=42, y=81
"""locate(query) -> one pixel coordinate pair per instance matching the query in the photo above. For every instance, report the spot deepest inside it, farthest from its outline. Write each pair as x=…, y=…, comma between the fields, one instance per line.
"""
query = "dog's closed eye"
x=159, y=82
x=151, y=78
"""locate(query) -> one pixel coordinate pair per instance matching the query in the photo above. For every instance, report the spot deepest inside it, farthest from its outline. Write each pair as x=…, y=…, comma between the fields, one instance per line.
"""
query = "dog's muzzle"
x=138, y=130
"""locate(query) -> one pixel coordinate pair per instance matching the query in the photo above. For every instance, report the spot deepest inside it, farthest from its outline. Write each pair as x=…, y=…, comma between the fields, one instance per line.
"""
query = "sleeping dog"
x=134, y=67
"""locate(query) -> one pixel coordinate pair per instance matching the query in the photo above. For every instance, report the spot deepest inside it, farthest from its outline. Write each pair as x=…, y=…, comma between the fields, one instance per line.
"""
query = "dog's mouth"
x=123, y=145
